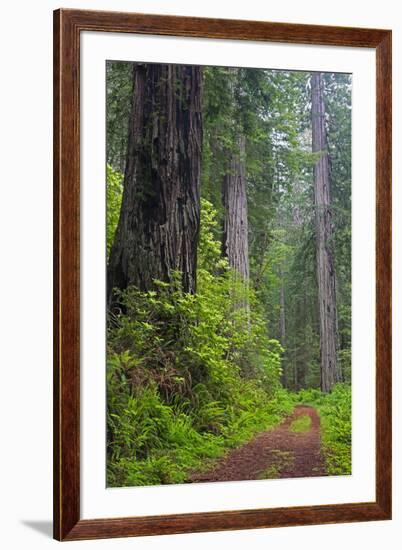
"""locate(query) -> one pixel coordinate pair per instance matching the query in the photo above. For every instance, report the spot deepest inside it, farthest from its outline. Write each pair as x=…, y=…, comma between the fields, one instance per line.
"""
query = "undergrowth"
x=188, y=376
x=335, y=410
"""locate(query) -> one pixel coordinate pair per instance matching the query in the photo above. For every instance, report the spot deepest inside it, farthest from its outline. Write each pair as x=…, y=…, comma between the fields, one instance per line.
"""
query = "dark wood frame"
x=68, y=25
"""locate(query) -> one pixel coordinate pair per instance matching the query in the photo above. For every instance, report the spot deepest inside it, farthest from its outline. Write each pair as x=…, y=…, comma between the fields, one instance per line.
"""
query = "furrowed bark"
x=325, y=268
x=159, y=220
x=235, y=225
x=282, y=323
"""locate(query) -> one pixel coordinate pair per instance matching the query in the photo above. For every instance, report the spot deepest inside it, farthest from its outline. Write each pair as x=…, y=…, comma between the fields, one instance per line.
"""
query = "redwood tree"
x=234, y=196
x=325, y=266
x=159, y=220
x=235, y=224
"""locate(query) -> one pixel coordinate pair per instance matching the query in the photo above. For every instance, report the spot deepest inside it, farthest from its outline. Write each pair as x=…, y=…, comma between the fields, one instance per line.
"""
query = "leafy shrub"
x=188, y=375
x=335, y=411
x=114, y=193
x=336, y=420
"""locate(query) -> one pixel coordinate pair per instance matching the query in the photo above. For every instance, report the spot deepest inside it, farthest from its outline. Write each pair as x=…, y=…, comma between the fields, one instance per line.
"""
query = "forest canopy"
x=229, y=264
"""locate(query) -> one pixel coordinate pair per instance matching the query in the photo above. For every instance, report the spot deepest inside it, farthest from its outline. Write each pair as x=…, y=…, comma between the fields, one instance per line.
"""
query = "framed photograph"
x=222, y=274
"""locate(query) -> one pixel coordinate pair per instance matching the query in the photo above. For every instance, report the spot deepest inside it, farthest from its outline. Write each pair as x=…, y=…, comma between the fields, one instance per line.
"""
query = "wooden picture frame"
x=68, y=24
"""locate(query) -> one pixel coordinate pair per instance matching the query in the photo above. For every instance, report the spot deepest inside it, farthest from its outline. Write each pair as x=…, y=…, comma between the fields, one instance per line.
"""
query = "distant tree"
x=235, y=224
x=119, y=93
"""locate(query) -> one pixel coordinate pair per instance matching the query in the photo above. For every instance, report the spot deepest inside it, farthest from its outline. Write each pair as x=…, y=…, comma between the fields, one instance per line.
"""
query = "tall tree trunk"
x=326, y=278
x=282, y=315
x=295, y=378
x=235, y=224
x=159, y=220
x=282, y=324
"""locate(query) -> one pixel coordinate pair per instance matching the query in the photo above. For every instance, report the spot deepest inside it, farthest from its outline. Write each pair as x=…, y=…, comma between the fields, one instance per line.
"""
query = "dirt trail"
x=277, y=453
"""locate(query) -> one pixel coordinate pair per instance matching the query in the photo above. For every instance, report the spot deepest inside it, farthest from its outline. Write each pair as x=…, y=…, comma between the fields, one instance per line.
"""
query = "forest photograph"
x=228, y=251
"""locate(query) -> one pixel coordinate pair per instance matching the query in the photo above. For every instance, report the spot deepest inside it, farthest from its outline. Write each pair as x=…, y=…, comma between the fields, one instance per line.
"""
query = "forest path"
x=292, y=449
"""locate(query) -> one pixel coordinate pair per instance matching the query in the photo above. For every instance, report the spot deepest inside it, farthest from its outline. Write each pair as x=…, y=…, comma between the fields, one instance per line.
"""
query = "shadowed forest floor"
x=293, y=449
